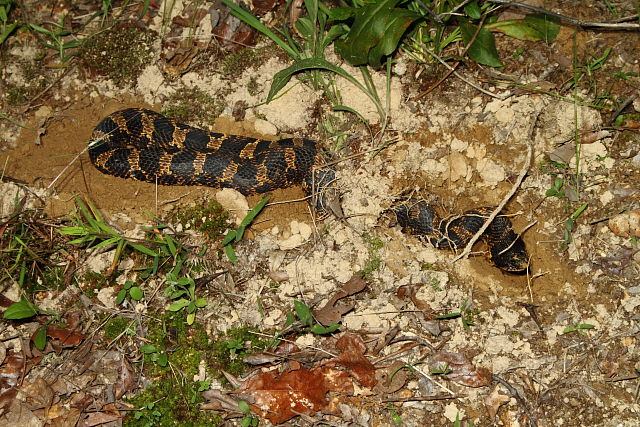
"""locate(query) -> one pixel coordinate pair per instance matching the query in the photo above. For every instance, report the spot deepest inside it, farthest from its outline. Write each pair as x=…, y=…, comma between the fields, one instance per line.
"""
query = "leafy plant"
x=129, y=290
x=22, y=309
x=155, y=354
x=556, y=190
x=249, y=419
x=465, y=313
x=93, y=232
x=304, y=315
x=56, y=39
x=578, y=328
x=376, y=31
x=25, y=309
x=6, y=27
x=183, y=291
x=436, y=31
x=309, y=55
x=234, y=236
x=570, y=223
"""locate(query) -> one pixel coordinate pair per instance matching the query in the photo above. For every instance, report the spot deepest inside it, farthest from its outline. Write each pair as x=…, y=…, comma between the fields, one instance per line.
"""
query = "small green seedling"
x=56, y=39
x=579, y=328
x=465, y=313
x=249, y=419
x=6, y=27
x=129, y=290
x=24, y=309
x=149, y=408
x=570, y=224
x=155, y=354
x=556, y=190
x=183, y=291
x=236, y=235
x=395, y=417
x=92, y=231
x=304, y=315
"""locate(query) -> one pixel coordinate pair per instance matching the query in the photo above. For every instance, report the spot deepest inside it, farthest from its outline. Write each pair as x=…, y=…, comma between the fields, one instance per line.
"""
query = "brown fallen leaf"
x=392, y=378
x=66, y=337
x=409, y=291
x=127, y=380
x=36, y=395
x=333, y=311
x=352, y=357
x=458, y=368
x=626, y=224
x=494, y=401
x=11, y=371
x=280, y=397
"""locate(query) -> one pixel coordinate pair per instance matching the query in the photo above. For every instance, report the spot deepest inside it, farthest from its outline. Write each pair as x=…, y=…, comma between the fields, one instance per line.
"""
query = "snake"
x=507, y=250
x=145, y=145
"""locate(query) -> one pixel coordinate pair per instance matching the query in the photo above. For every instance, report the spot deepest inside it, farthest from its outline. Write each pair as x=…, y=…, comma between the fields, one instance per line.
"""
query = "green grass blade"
x=252, y=21
x=254, y=212
x=143, y=249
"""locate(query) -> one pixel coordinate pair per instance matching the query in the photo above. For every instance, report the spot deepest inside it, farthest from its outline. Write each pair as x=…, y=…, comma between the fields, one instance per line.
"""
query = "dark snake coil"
x=506, y=248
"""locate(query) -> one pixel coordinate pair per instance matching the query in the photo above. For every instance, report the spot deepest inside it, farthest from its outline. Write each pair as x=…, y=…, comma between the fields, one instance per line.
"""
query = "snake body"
x=147, y=146
x=507, y=249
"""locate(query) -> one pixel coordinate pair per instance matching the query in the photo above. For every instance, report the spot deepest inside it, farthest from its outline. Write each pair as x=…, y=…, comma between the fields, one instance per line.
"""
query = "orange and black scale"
x=147, y=146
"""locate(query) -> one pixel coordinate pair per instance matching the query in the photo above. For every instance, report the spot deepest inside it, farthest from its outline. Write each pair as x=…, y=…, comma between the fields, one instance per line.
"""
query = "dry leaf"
x=458, y=368
x=66, y=337
x=409, y=291
x=494, y=401
x=280, y=397
x=392, y=378
x=219, y=401
x=333, y=311
x=127, y=380
x=352, y=357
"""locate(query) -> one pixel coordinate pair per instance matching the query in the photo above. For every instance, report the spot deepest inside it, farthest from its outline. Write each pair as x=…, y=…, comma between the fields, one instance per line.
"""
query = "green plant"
x=374, y=262
x=155, y=354
x=593, y=64
x=579, y=328
x=93, y=232
x=22, y=309
x=249, y=419
x=376, y=31
x=556, y=190
x=309, y=56
x=182, y=290
x=303, y=314
x=210, y=219
x=465, y=313
x=130, y=291
x=234, y=236
x=570, y=223
x=58, y=40
x=446, y=23
x=6, y=27
x=395, y=417
x=121, y=53
x=25, y=309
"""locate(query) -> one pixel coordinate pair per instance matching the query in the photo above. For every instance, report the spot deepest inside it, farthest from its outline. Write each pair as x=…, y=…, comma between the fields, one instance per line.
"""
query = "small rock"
x=626, y=224
x=264, y=127
x=234, y=202
x=458, y=165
